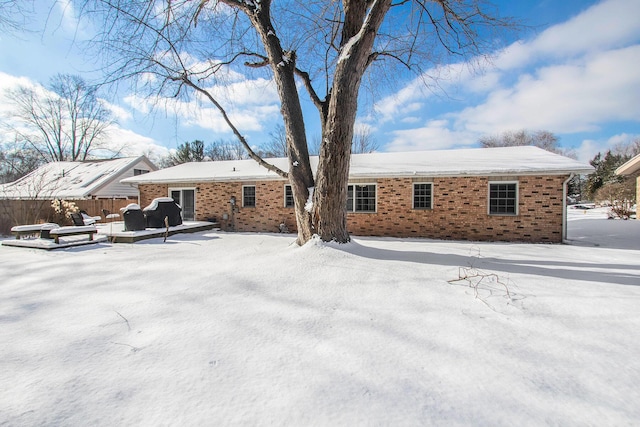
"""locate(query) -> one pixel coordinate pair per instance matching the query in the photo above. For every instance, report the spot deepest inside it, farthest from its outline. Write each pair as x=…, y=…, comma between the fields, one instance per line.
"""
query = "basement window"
x=503, y=198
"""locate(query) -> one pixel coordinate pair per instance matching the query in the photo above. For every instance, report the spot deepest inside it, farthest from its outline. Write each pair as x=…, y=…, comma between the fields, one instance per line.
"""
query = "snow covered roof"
x=630, y=167
x=466, y=162
x=69, y=180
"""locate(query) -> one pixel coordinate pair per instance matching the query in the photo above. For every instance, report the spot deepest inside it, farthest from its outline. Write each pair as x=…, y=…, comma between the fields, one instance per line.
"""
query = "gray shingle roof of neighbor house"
x=464, y=162
x=630, y=167
x=77, y=180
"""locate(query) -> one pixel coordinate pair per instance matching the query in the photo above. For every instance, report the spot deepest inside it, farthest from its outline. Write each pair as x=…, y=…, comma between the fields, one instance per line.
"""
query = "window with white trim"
x=248, y=196
x=422, y=195
x=361, y=198
x=288, y=196
x=503, y=198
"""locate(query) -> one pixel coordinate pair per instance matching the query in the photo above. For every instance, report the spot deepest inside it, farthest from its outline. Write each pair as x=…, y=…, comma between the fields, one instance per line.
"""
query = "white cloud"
x=249, y=119
x=564, y=98
x=608, y=24
x=443, y=81
x=118, y=112
x=248, y=103
x=122, y=140
x=410, y=119
x=130, y=144
x=8, y=122
x=364, y=127
x=605, y=25
x=8, y=82
x=68, y=17
x=434, y=135
x=401, y=103
x=63, y=15
x=223, y=75
x=247, y=92
x=582, y=75
x=588, y=148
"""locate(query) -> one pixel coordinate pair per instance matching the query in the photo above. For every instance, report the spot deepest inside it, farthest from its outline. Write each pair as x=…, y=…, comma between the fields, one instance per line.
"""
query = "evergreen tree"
x=605, y=172
x=187, y=152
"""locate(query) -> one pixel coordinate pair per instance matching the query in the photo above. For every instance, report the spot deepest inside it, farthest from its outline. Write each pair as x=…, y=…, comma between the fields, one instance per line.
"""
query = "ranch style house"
x=485, y=194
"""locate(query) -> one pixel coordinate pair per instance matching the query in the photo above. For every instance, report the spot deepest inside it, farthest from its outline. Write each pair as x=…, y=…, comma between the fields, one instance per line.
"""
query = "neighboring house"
x=632, y=168
x=507, y=194
x=95, y=179
x=94, y=186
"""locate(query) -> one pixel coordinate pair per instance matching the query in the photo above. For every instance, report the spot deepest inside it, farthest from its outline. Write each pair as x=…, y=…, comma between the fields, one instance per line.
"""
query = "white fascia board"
x=630, y=167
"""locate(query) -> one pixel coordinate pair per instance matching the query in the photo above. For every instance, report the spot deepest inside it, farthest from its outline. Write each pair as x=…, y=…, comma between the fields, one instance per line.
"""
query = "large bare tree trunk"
x=358, y=35
x=330, y=214
x=300, y=174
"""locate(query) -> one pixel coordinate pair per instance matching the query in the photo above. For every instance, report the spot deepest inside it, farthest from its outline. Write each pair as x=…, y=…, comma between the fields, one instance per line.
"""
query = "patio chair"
x=77, y=219
x=88, y=219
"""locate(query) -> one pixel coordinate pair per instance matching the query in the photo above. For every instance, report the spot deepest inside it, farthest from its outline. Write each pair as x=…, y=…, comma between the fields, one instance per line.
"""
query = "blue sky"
x=574, y=73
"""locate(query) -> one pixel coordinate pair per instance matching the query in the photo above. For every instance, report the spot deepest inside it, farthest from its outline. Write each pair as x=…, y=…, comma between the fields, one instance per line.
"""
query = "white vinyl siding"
x=117, y=189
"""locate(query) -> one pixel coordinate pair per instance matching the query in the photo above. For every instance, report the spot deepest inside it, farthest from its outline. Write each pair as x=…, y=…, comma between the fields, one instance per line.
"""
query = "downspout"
x=564, y=206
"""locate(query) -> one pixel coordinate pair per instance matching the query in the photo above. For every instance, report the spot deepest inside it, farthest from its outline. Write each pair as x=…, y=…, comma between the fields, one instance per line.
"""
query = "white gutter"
x=142, y=179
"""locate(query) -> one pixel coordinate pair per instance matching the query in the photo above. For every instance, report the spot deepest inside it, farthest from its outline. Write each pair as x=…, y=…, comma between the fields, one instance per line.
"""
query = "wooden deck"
x=112, y=232
x=115, y=231
x=50, y=244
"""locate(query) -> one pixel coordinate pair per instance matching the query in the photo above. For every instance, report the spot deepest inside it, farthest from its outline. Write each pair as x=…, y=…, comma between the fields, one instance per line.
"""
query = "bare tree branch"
x=234, y=129
x=66, y=123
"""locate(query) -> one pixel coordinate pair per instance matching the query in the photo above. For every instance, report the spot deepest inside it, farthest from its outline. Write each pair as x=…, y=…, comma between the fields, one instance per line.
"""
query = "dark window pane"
x=502, y=199
x=365, y=198
x=288, y=196
x=175, y=195
x=422, y=196
x=350, y=198
x=249, y=196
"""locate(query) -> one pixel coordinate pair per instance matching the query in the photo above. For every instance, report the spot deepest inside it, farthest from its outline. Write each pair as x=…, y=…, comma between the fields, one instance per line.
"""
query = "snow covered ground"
x=245, y=329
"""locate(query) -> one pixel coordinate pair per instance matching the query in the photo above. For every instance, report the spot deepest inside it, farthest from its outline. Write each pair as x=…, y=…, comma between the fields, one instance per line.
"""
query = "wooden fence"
x=18, y=212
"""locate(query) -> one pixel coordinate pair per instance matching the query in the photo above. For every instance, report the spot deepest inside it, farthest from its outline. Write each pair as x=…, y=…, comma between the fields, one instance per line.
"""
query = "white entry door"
x=186, y=198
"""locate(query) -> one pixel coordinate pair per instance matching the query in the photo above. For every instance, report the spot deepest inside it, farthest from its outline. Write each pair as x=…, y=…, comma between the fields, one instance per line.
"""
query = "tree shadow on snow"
x=571, y=270
x=602, y=233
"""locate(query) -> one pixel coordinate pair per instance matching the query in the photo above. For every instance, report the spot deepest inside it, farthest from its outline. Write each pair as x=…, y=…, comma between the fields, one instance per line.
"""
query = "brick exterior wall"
x=460, y=209
x=212, y=201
